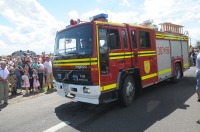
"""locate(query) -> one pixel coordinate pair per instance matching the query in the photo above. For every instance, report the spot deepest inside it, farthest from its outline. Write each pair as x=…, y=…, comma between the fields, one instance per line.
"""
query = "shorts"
x=49, y=77
x=198, y=80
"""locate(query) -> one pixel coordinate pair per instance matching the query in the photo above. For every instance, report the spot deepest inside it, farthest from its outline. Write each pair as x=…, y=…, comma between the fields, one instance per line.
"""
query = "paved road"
x=163, y=107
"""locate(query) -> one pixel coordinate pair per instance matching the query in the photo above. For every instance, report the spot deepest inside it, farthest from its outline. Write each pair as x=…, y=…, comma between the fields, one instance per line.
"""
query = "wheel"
x=127, y=92
x=177, y=74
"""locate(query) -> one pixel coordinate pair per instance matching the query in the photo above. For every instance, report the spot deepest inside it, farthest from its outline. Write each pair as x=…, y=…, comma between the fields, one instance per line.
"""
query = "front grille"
x=82, y=77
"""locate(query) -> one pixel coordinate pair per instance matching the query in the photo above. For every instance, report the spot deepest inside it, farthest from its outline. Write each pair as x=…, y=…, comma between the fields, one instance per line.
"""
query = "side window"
x=116, y=45
x=133, y=38
x=124, y=39
x=103, y=46
x=145, y=39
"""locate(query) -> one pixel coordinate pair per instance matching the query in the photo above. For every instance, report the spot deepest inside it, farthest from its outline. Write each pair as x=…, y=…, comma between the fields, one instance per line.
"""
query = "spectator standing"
x=198, y=79
x=35, y=63
x=19, y=61
x=18, y=72
x=193, y=56
x=23, y=61
x=40, y=58
x=49, y=72
x=43, y=58
x=36, y=82
x=12, y=78
x=26, y=84
x=40, y=74
x=4, y=88
x=30, y=73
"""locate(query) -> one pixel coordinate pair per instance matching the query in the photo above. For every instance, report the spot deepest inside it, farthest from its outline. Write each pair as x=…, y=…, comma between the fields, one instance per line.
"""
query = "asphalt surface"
x=164, y=107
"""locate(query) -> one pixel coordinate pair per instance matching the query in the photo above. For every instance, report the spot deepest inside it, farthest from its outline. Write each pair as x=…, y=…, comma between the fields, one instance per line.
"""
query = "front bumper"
x=77, y=93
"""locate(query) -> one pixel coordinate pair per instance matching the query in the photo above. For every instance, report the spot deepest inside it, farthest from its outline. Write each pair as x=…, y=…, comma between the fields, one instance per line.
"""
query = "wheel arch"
x=135, y=73
x=180, y=64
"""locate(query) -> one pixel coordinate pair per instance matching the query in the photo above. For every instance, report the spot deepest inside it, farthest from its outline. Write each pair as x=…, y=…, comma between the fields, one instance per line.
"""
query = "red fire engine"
x=100, y=61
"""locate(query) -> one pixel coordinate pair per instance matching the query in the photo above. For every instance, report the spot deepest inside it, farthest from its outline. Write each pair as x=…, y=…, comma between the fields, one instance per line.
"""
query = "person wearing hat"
x=49, y=72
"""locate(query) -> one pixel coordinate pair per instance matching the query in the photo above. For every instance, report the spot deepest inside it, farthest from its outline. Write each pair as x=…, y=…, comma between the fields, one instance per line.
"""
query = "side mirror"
x=112, y=41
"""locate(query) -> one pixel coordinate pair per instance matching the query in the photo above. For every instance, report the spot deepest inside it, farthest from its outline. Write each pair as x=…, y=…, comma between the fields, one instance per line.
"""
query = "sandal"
x=198, y=121
x=198, y=100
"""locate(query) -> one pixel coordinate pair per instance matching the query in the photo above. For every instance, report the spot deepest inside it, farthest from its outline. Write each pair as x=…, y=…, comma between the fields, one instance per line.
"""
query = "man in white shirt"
x=198, y=79
x=49, y=72
x=4, y=88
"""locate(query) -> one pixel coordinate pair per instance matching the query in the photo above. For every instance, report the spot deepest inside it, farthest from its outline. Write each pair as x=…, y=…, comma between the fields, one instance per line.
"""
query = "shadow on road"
x=156, y=103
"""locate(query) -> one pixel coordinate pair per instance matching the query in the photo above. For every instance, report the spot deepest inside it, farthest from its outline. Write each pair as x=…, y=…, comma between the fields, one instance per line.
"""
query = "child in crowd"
x=26, y=85
x=13, y=81
x=36, y=82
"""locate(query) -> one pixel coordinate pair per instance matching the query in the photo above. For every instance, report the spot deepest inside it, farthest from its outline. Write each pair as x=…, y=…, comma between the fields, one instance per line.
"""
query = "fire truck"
x=99, y=61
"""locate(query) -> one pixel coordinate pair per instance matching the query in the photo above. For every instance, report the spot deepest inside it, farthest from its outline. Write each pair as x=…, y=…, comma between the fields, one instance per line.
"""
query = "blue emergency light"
x=99, y=16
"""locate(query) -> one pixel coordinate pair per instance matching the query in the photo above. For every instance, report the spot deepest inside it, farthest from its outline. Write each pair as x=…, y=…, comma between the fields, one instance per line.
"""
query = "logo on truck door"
x=147, y=66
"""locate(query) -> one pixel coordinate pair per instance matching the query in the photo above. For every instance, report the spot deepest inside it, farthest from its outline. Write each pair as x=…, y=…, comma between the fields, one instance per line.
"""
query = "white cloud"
x=124, y=3
x=73, y=15
x=183, y=12
x=35, y=28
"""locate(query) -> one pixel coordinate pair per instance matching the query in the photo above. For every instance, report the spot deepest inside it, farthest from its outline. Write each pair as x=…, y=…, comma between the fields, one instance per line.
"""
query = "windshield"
x=75, y=42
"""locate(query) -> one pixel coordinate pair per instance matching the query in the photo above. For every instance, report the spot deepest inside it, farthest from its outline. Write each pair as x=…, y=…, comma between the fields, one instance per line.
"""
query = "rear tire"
x=127, y=92
x=177, y=73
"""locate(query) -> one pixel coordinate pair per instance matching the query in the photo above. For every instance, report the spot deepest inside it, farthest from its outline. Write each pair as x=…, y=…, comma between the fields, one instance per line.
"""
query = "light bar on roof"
x=99, y=16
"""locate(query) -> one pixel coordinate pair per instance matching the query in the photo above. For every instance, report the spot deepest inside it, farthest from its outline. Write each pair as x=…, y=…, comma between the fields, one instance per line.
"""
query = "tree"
x=197, y=44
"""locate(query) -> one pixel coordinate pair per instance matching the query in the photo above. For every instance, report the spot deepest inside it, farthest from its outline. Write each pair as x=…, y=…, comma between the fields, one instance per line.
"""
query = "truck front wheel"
x=127, y=92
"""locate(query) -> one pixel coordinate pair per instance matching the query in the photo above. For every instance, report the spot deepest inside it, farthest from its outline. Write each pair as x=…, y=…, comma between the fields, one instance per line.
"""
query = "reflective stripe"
x=147, y=55
x=75, y=64
x=121, y=55
x=170, y=37
x=149, y=76
x=186, y=64
x=147, y=51
x=76, y=60
x=164, y=71
x=108, y=87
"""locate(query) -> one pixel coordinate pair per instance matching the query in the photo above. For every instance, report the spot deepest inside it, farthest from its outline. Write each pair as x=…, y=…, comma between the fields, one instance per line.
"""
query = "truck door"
x=112, y=59
x=147, y=56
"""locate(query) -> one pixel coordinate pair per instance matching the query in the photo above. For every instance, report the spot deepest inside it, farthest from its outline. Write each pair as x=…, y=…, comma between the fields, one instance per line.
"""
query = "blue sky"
x=32, y=24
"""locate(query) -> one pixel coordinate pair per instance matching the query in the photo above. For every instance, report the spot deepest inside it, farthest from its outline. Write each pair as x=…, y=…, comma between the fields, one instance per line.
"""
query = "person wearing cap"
x=4, y=88
x=49, y=72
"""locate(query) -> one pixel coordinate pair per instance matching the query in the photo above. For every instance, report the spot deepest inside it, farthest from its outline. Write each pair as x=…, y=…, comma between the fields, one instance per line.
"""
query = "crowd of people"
x=25, y=74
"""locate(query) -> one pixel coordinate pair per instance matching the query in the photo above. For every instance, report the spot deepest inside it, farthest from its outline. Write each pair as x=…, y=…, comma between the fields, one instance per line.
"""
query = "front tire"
x=127, y=92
